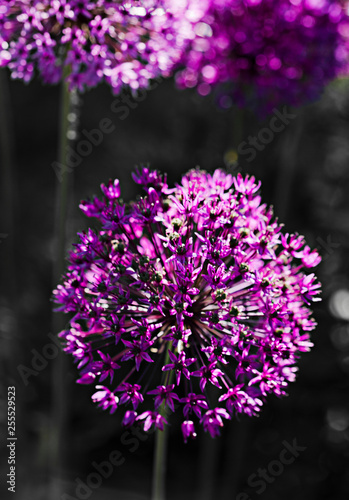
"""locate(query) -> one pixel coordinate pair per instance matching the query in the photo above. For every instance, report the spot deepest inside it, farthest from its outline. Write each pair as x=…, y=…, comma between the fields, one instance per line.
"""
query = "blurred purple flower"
x=178, y=286
x=267, y=53
x=125, y=43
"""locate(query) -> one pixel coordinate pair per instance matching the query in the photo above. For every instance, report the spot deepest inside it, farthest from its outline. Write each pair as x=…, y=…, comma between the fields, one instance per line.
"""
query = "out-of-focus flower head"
x=190, y=298
x=125, y=42
x=267, y=53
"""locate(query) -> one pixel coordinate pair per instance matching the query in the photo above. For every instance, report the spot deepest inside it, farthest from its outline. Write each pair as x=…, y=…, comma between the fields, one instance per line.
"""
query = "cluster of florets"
x=265, y=52
x=121, y=42
x=268, y=52
x=189, y=299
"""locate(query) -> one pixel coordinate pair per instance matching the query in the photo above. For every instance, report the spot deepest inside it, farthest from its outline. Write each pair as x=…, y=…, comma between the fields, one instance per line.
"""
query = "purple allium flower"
x=267, y=53
x=189, y=299
x=124, y=42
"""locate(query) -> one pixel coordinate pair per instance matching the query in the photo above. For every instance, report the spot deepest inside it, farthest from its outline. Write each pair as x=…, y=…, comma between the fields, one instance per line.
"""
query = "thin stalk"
x=58, y=384
x=287, y=168
x=9, y=200
x=159, y=470
x=239, y=119
x=236, y=136
x=160, y=456
x=209, y=458
x=10, y=234
x=234, y=458
x=62, y=186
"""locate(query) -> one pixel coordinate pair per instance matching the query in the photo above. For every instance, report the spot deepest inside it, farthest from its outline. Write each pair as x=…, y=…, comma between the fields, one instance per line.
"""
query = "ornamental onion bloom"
x=124, y=42
x=267, y=53
x=188, y=300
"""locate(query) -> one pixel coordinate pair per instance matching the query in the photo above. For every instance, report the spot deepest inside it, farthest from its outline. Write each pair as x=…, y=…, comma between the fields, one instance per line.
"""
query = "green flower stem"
x=59, y=407
x=236, y=130
x=238, y=126
x=236, y=449
x=160, y=456
x=287, y=168
x=159, y=471
x=209, y=456
x=63, y=184
x=9, y=202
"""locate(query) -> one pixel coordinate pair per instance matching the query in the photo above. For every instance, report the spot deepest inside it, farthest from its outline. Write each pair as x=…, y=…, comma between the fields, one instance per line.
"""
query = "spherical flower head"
x=267, y=53
x=190, y=300
x=124, y=42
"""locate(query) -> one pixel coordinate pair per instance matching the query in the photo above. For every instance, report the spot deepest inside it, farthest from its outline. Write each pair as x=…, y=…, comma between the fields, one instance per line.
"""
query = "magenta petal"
x=87, y=378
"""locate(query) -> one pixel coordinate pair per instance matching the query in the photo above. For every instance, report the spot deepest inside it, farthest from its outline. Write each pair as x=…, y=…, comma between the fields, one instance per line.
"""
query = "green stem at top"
x=59, y=389
x=9, y=199
x=63, y=184
x=236, y=131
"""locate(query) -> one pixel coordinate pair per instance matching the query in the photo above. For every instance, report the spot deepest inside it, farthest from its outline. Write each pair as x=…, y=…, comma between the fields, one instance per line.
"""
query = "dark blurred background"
x=305, y=174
